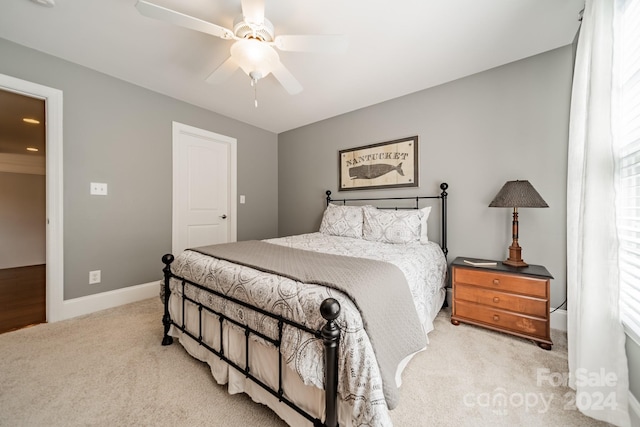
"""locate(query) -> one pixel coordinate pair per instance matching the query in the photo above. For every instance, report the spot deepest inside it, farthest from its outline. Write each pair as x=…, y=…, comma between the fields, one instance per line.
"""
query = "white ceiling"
x=395, y=48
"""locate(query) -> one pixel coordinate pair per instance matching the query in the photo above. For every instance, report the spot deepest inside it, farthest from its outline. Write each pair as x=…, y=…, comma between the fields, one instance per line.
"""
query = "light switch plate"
x=98, y=189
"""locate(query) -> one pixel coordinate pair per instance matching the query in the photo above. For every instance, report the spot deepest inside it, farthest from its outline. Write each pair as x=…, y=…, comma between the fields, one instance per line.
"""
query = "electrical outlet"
x=94, y=277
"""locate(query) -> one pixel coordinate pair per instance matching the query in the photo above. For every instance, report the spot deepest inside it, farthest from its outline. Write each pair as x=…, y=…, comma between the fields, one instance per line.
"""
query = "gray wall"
x=475, y=133
x=22, y=220
x=118, y=133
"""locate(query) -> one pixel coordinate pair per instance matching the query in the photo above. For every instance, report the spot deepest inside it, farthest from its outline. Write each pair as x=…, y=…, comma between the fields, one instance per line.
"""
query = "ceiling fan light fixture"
x=254, y=49
x=254, y=56
x=243, y=29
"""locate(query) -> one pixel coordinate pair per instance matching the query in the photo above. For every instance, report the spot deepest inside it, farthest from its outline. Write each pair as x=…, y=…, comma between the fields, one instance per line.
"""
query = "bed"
x=317, y=326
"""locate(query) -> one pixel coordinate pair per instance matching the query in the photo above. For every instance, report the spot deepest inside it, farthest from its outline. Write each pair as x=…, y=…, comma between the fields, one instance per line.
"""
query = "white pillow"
x=392, y=226
x=345, y=221
x=423, y=226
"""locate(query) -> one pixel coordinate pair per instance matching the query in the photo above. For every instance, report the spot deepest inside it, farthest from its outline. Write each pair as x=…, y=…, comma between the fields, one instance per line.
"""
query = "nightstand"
x=508, y=299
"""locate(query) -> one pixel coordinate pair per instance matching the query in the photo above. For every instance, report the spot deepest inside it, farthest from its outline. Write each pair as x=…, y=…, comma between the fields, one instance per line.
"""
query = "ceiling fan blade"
x=313, y=43
x=286, y=79
x=151, y=10
x=223, y=72
x=253, y=11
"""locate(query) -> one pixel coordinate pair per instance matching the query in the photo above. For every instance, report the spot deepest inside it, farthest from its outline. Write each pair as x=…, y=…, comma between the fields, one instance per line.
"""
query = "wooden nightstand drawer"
x=501, y=281
x=526, y=325
x=502, y=300
x=509, y=299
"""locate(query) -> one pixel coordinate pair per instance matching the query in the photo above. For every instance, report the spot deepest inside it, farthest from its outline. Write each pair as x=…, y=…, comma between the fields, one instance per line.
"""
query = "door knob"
x=223, y=216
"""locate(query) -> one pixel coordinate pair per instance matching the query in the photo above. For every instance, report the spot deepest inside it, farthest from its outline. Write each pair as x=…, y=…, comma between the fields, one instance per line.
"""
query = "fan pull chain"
x=254, y=84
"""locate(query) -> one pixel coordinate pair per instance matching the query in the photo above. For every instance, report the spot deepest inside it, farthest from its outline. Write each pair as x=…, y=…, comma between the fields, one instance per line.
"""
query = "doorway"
x=22, y=211
x=54, y=267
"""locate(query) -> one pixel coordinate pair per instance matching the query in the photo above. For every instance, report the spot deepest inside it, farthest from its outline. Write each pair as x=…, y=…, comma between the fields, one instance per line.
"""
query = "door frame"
x=54, y=188
x=182, y=129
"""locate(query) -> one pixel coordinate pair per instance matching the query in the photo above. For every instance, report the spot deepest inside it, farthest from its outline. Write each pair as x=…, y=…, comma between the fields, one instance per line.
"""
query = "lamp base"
x=515, y=263
x=515, y=256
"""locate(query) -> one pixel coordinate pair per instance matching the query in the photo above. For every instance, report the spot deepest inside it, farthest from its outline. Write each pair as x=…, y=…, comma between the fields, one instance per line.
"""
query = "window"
x=627, y=141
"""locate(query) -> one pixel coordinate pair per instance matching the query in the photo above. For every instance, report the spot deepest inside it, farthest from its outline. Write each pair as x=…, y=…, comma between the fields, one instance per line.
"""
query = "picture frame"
x=391, y=164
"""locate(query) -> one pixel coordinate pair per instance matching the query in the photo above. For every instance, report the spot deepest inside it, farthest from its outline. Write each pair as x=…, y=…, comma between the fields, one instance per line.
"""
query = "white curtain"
x=596, y=340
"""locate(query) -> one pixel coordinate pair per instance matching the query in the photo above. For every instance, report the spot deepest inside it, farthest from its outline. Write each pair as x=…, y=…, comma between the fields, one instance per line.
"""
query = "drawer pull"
x=496, y=282
x=496, y=300
x=496, y=318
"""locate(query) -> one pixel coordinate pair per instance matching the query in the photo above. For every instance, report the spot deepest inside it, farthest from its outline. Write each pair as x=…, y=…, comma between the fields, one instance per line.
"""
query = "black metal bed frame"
x=443, y=196
x=329, y=333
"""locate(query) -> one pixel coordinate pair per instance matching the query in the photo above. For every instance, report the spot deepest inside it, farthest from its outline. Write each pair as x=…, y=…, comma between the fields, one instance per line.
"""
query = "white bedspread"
x=359, y=378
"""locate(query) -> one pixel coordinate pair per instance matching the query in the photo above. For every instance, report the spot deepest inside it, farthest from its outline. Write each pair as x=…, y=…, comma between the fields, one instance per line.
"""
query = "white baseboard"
x=558, y=320
x=92, y=303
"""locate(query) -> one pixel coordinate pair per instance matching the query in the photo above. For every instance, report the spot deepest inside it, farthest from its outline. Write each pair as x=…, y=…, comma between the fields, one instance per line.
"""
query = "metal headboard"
x=442, y=196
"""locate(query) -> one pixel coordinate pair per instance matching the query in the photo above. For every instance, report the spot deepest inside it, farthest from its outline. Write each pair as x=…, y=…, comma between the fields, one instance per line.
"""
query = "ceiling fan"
x=253, y=49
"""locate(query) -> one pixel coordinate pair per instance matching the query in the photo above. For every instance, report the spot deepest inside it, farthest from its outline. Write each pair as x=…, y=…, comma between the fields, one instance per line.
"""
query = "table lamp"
x=517, y=194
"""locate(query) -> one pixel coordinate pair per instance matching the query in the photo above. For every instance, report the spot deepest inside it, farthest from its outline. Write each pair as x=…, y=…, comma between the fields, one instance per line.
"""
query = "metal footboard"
x=330, y=335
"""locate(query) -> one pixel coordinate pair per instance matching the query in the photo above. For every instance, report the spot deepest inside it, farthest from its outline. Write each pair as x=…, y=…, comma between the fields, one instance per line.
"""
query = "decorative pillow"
x=391, y=226
x=423, y=226
x=345, y=221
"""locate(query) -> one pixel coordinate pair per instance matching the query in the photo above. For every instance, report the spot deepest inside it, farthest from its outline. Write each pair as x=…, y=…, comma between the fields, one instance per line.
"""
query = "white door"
x=204, y=188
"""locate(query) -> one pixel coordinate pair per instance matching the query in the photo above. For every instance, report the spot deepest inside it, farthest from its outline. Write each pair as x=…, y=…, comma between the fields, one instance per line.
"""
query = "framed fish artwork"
x=389, y=164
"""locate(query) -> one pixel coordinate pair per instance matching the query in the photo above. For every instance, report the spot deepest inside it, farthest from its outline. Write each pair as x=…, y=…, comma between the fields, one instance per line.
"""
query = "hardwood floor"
x=22, y=297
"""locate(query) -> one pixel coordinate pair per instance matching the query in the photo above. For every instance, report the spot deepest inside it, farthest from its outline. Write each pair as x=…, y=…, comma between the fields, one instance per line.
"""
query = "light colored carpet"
x=109, y=369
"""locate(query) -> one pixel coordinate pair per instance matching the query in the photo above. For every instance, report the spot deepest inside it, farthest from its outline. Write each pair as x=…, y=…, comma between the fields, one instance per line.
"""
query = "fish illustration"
x=373, y=171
